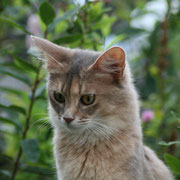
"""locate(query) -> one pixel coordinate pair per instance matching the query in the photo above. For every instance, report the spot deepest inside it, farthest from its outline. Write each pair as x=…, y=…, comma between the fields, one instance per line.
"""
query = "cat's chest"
x=89, y=163
x=86, y=166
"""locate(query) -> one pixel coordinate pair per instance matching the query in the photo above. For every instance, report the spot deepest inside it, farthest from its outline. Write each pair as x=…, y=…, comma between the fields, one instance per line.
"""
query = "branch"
x=27, y=122
x=28, y=117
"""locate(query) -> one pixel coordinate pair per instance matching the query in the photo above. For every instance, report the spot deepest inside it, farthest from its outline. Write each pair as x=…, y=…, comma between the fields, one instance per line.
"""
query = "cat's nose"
x=68, y=120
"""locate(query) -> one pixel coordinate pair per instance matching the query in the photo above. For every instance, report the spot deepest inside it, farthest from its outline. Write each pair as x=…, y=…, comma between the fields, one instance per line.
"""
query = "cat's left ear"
x=112, y=62
x=56, y=58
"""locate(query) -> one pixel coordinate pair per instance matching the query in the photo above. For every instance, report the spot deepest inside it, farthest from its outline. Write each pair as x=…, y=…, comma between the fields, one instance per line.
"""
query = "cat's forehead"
x=73, y=85
x=76, y=80
x=81, y=60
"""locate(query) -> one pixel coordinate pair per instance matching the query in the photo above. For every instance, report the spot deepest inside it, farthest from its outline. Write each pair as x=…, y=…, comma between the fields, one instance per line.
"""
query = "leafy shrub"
x=25, y=132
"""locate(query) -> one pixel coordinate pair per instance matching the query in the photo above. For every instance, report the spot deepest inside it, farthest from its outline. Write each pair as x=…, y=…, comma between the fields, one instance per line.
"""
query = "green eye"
x=88, y=99
x=59, y=97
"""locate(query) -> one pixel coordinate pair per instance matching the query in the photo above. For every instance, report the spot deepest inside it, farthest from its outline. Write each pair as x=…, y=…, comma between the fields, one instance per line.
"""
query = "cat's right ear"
x=111, y=62
x=57, y=58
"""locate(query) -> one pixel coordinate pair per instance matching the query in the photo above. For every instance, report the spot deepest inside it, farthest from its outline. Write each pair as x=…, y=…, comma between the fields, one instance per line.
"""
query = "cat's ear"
x=56, y=58
x=112, y=62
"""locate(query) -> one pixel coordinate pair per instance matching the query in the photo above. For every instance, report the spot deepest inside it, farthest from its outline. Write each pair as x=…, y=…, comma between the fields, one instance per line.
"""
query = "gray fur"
x=104, y=141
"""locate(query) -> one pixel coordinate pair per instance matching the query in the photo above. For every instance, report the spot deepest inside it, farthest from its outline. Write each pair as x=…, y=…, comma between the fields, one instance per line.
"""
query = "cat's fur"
x=104, y=142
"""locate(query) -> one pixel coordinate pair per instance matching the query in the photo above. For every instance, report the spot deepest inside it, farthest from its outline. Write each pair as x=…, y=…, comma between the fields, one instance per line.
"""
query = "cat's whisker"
x=44, y=124
x=112, y=129
x=82, y=123
x=39, y=120
x=38, y=114
x=100, y=131
x=108, y=136
x=109, y=129
x=106, y=132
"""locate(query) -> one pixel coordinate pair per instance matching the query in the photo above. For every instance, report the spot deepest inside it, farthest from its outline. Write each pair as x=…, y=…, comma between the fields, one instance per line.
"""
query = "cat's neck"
x=80, y=154
x=88, y=140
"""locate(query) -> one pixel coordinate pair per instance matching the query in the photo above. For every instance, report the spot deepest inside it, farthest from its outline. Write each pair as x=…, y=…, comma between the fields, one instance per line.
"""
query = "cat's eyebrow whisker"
x=56, y=84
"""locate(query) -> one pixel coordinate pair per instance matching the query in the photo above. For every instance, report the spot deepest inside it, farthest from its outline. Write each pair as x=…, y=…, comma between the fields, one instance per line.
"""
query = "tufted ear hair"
x=112, y=62
x=57, y=58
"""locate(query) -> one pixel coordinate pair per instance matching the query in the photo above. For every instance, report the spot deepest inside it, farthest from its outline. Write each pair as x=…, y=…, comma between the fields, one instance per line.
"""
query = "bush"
x=25, y=132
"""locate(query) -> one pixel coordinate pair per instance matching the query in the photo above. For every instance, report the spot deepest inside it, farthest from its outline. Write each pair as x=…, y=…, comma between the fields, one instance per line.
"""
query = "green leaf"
x=37, y=170
x=23, y=64
x=13, y=91
x=7, y=64
x=172, y=162
x=40, y=91
x=67, y=15
x=116, y=39
x=68, y=38
x=174, y=115
x=11, y=121
x=13, y=23
x=16, y=75
x=5, y=173
x=31, y=149
x=14, y=108
x=107, y=22
x=5, y=161
x=47, y=12
x=169, y=143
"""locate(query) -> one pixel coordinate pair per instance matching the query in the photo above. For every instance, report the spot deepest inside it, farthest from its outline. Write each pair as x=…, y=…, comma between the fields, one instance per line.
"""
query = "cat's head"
x=87, y=89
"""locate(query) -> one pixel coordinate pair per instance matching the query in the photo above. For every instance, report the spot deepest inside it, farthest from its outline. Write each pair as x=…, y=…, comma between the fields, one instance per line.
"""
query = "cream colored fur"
x=104, y=142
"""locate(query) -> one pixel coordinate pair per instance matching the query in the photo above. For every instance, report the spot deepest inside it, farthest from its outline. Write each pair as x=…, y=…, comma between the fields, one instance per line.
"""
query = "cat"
x=94, y=109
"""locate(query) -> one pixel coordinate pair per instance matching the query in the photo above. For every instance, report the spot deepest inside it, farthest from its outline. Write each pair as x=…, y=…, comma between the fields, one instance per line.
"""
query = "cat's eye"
x=59, y=97
x=88, y=99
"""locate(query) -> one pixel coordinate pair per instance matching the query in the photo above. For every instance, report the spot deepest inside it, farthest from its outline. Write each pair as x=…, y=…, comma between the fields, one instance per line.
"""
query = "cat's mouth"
x=75, y=125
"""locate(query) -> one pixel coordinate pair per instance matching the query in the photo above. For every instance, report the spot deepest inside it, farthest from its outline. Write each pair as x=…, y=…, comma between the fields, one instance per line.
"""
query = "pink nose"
x=68, y=120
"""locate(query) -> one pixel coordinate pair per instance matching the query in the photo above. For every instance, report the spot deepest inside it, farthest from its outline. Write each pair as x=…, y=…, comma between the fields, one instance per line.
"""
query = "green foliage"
x=47, y=12
x=97, y=25
x=11, y=22
x=14, y=108
x=169, y=144
x=172, y=162
x=67, y=15
x=31, y=149
x=10, y=121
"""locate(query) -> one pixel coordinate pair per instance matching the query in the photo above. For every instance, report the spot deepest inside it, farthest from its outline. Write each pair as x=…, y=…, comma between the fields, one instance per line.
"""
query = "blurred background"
x=148, y=30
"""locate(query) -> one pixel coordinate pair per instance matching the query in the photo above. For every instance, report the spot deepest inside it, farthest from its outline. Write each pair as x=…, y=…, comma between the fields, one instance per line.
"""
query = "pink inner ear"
x=112, y=61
